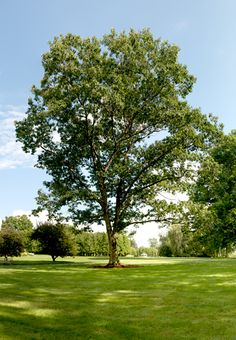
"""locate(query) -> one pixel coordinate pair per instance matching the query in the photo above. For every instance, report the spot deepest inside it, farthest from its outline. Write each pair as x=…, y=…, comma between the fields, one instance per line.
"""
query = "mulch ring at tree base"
x=108, y=266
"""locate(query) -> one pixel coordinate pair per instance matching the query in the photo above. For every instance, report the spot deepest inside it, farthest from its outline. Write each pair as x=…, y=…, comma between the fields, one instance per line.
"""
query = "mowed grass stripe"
x=161, y=299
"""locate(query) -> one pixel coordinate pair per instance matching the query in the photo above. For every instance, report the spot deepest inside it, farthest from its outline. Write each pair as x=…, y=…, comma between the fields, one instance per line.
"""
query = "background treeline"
x=182, y=241
x=96, y=244
x=64, y=239
x=18, y=236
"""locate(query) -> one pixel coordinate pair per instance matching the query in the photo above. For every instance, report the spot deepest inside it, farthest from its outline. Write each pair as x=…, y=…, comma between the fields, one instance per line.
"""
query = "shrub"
x=11, y=243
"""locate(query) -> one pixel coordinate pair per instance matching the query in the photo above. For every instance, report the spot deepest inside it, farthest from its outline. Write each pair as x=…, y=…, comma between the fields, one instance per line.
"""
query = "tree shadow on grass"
x=45, y=262
x=173, y=302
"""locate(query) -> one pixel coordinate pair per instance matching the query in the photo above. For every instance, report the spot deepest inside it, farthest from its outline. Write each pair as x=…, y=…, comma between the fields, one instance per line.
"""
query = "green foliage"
x=96, y=244
x=213, y=211
x=149, y=251
x=133, y=251
x=55, y=240
x=111, y=126
x=165, y=250
x=123, y=245
x=199, y=230
x=11, y=243
x=22, y=224
x=175, y=243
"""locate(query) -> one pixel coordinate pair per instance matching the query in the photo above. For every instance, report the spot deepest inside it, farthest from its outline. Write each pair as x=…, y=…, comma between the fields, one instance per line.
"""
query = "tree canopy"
x=23, y=225
x=20, y=223
x=214, y=196
x=111, y=125
x=55, y=240
x=11, y=243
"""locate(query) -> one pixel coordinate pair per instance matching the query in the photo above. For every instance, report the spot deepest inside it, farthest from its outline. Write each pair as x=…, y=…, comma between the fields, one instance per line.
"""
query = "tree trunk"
x=113, y=252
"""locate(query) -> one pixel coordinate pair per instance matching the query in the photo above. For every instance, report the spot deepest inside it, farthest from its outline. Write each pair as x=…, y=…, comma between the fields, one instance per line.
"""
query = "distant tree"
x=22, y=224
x=142, y=250
x=56, y=240
x=176, y=240
x=101, y=244
x=133, y=242
x=153, y=242
x=123, y=245
x=152, y=251
x=87, y=244
x=111, y=125
x=149, y=251
x=165, y=249
x=133, y=251
x=175, y=243
x=11, y=243
x=96, y=244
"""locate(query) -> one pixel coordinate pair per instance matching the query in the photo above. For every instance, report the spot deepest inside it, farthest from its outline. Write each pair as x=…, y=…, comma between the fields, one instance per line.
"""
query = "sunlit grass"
x=162, y=299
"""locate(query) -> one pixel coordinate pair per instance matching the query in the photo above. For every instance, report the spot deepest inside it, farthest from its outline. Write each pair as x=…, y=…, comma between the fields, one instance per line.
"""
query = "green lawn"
x=163, y=299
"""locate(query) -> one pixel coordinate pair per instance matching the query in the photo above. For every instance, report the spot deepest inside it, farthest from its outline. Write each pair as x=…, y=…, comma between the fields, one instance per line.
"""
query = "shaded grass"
x=164, y=299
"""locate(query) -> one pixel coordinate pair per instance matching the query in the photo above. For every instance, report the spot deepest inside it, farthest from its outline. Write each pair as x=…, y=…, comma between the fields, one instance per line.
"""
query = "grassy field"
x=161, y=299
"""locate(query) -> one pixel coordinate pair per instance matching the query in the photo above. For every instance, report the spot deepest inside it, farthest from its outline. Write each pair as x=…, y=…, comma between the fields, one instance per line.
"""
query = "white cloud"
x=11, y=153
x=42, y=216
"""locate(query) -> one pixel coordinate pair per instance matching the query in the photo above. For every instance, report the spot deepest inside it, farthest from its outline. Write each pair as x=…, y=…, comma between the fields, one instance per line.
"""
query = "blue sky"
x=205, y=31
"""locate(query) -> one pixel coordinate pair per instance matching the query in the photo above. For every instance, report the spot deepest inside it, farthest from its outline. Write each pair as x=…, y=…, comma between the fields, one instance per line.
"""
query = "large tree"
x=214, y=196
x=111, y=126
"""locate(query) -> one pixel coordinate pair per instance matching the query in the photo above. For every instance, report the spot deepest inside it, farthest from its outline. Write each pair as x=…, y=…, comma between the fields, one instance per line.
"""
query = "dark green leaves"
x=111, y=125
